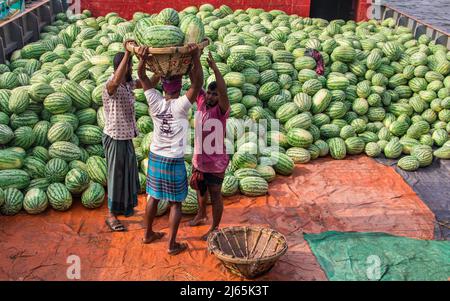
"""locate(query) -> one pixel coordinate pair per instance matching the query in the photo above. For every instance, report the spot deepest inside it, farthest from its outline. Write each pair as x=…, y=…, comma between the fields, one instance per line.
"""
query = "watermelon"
x=230, y=185
x=80, y=97
x=14, y=178
x=89, y=134
x=443, y=152
x=242, y=173
x=266, y=172
x=34, y=166
x=60, y=131
x=408, y=163
x=282, y=163
x=299, y=155
x=38, y=92
x=77, y=180
x=243, y=160
x=97, y=169
x=338, y=148
x=159, y=36
x=66, y=151
x=393, y=149
x=423, y=154
x=87, y=116
x=19, y=101
x=93, y=196
x=253, y=186
x=13, y=201
x=35, y=201
x=190, y=204
x=58, y=103
x=59, y=197
x=300, y=138
x=11, y=158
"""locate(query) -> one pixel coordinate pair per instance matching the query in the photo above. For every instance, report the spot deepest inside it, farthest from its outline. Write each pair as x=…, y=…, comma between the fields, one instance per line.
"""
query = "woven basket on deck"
x=168, y=61
x=247, y=251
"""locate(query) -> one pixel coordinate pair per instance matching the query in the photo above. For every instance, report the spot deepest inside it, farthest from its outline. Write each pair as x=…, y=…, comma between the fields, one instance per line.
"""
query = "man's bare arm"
x=196, y=74
x=224, y=103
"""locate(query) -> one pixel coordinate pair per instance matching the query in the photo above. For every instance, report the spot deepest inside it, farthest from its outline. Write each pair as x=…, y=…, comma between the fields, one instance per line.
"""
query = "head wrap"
x=172, y=85
x=320, y=67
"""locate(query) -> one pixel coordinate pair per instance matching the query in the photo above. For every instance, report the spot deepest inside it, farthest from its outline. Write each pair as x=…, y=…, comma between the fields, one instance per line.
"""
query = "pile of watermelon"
x=383, y=93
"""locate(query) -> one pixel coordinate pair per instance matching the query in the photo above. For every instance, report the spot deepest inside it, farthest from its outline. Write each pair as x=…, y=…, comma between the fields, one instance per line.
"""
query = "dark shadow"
x=332, y=10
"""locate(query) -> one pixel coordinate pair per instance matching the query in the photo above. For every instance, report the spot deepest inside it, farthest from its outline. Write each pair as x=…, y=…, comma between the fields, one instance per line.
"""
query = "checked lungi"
x=167, y=178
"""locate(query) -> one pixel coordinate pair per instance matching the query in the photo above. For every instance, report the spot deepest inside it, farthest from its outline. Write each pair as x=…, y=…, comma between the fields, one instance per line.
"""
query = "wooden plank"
x=27, y=10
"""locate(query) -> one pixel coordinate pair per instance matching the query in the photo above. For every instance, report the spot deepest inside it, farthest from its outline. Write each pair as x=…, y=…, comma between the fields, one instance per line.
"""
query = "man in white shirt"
x=166, y=176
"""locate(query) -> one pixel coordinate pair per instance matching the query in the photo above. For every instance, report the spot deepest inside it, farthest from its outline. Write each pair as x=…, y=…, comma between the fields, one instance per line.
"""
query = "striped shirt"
x=120, y=122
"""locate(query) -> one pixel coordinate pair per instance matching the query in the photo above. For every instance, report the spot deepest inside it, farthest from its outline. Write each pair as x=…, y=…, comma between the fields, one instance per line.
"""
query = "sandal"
x=155, y=236
x=179, y=247
x=115, y=225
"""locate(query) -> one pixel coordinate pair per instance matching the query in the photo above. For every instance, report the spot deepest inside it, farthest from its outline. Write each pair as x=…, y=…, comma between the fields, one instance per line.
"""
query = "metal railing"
x=26, y=26
x=418, y=27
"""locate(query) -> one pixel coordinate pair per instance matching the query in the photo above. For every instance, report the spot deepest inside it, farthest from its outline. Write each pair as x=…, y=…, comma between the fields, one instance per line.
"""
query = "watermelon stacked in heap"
x=383, y=93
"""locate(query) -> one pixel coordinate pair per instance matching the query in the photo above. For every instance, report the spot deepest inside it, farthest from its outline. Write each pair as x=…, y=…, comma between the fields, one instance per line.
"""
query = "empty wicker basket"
x=247, y=251
x=168, y=61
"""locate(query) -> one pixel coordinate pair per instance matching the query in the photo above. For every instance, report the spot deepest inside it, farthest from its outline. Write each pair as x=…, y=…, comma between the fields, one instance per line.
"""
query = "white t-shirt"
x=170, y=124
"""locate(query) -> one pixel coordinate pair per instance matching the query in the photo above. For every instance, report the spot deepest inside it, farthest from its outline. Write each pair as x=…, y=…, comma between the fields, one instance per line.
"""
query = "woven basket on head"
x=168, y=61
x=247, y=251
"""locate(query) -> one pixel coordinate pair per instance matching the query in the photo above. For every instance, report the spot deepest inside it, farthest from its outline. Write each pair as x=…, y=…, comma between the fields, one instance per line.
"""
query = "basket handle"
x=133, y=47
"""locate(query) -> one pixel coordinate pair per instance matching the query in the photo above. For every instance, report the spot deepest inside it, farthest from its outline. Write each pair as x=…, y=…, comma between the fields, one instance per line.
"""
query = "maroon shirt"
x=210, y=154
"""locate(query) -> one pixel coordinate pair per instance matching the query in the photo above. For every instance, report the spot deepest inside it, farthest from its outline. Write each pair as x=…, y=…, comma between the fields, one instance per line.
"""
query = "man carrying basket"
x=167, y=176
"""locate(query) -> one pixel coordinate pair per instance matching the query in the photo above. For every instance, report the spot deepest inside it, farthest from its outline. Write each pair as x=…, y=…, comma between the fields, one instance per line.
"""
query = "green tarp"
x=379, y=256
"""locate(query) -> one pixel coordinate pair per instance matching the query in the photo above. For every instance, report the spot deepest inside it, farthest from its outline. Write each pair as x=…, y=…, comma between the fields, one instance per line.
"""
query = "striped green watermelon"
x=77, y=180
x=34, y=166
x=14, y=178
x=13, y=201
x=409, y=163
x=299, y=155
x=59, y=197
x=89, y=134
x=56, y=170
x=35, y=201
x=93, y=196
x=282, y=163
x=97, y=169
x=299, y=138
x=423, y=154
x=160, y=36
x=80, y=97
x=266, y=172
x=58, y=103
x=60, y=131
x=243, y=160
x=190, y=204
x=11, y=158
x=19, y=101
x=242, y=173
x=38, y=92
x=286, y=112
x=338, y=149
x=64, y=150
x=253, y=186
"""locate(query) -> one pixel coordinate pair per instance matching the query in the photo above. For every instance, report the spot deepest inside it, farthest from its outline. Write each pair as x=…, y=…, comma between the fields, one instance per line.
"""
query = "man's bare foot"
x=206, y=235
x=198, y=221
x=152, y=237
x=177, y=249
